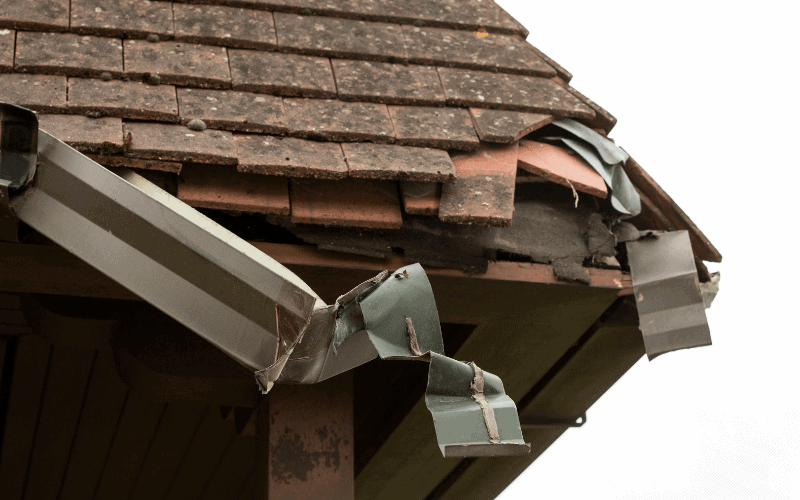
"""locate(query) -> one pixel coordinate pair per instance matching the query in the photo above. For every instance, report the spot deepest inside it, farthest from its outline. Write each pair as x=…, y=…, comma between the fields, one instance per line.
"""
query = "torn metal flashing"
x=667, y=290
x=237, y=298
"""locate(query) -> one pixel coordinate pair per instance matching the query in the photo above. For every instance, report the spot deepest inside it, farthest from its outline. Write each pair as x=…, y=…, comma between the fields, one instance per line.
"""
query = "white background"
x=706, y=94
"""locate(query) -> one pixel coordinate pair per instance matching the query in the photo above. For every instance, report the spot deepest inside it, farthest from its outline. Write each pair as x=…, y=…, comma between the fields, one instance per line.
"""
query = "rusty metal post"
x=304, y=439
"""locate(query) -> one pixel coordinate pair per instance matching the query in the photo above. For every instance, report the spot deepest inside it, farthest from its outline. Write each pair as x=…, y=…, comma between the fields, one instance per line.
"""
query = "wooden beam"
x=304, y=441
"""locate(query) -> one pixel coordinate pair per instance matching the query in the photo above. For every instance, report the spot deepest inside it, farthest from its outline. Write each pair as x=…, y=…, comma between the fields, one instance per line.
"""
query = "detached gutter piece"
x=606, y=158
x=665, y=283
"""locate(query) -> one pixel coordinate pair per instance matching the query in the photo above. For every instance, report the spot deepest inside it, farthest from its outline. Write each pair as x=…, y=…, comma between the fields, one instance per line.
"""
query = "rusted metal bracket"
x=552, y=422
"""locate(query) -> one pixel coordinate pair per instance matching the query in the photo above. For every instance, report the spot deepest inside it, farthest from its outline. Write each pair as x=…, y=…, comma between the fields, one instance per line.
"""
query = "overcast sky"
x=706, y=94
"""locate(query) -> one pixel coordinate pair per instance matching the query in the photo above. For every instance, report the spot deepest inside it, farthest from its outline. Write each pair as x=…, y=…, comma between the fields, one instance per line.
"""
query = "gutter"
x=236, y=297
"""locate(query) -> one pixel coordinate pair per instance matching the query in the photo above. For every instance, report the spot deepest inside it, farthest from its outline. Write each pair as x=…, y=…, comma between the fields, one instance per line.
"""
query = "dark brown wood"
x=519, y=347
x=30, y=372
x=102, y=408
x=64, y=393
x=232, y=470
x=304, y=436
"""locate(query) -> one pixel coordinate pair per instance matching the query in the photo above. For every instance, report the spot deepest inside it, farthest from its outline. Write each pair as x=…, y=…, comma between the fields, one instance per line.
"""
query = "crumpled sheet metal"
x=394, y=316
x=667, y=290
x=606, y=158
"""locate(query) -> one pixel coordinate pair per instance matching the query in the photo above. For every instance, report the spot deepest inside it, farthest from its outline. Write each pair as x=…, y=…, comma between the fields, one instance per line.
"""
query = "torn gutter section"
x=668, y=297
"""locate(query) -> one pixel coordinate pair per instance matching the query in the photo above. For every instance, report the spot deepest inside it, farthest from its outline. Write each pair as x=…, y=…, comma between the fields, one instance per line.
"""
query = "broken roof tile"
x=179, y=63
x=392, y=162
x=557, y=165
x=122, y=18
x=123, y=99
x=483, y=194
x=287, y=74
x=52, y=15
x=445, y=128
x=85, y=134
x=467, y=49
x=502, y=126
x=177, y=143
x=334, y=120
x=387, y=83
x=139, y=163
x=43, y=93
x=513, y=92
x=328, y=36
x=348, y=202
x=233, y=110
x=228, y=26
x=224, y=188
x=290, y=157
x=67, y=54
x=7, y=38
x=421, y=198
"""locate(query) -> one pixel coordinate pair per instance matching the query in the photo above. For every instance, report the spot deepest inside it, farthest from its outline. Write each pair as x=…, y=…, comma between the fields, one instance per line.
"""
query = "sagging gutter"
x=236, y=297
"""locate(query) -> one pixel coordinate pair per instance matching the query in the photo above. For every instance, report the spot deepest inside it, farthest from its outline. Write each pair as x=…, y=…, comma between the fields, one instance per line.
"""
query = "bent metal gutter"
x=238, y=298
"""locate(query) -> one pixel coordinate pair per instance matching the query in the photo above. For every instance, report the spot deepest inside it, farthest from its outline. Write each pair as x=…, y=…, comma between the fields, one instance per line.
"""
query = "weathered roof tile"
x=444, y=128
x=602, y=119
x=123, y=99
x=505, y=127
x=233, y=110
x=51, y=15
x=474, y=50
x=334, y=120
x=387, y=83
x=43, y=93
x=463, y=14
x=7, y=38
x=334, y=37
x=348, y=202
x=557, y=165
x=483, y=194
x=290, y=157
x=67, y=54
x=177, y=143
x=179, y=63
x=121, y=18
x=123, y=161
x=85, y=134
x=228, y=26
x=421, y=198
x=224, y=188
x=513, y=92
x=392, y=162
x=287, y=74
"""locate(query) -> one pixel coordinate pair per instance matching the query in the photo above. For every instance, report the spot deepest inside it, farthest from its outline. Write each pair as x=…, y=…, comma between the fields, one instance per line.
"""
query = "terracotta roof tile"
x=233, y=110
x=421, y=198
x=122, y=18
x=495, y=125
x=123, y=99
x=51, y=15
x=445, y=128
x=512, y=92
x=226, y=189
x=602, y=120
x=85, y=134
x=67, y=54
x=387, y=83
x=334, y=37
x=290, y=157
x=287, y=74
x=557, y=165
x=334, y=120
x=124, y=161
x=348, y=202
x=483, y=194
x=228, y=26
x=179, y=63
x=467, y=49
x=464, y=14
x=7, y=38
x=392, y=162
x=43, y=93
x=177, y=143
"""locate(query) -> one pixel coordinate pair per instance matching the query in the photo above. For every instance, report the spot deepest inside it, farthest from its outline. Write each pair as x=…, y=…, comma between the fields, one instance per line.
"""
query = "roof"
x=360, y=114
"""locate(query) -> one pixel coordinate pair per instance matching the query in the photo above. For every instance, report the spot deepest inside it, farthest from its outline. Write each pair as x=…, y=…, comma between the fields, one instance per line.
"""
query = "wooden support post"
x=304, y=441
